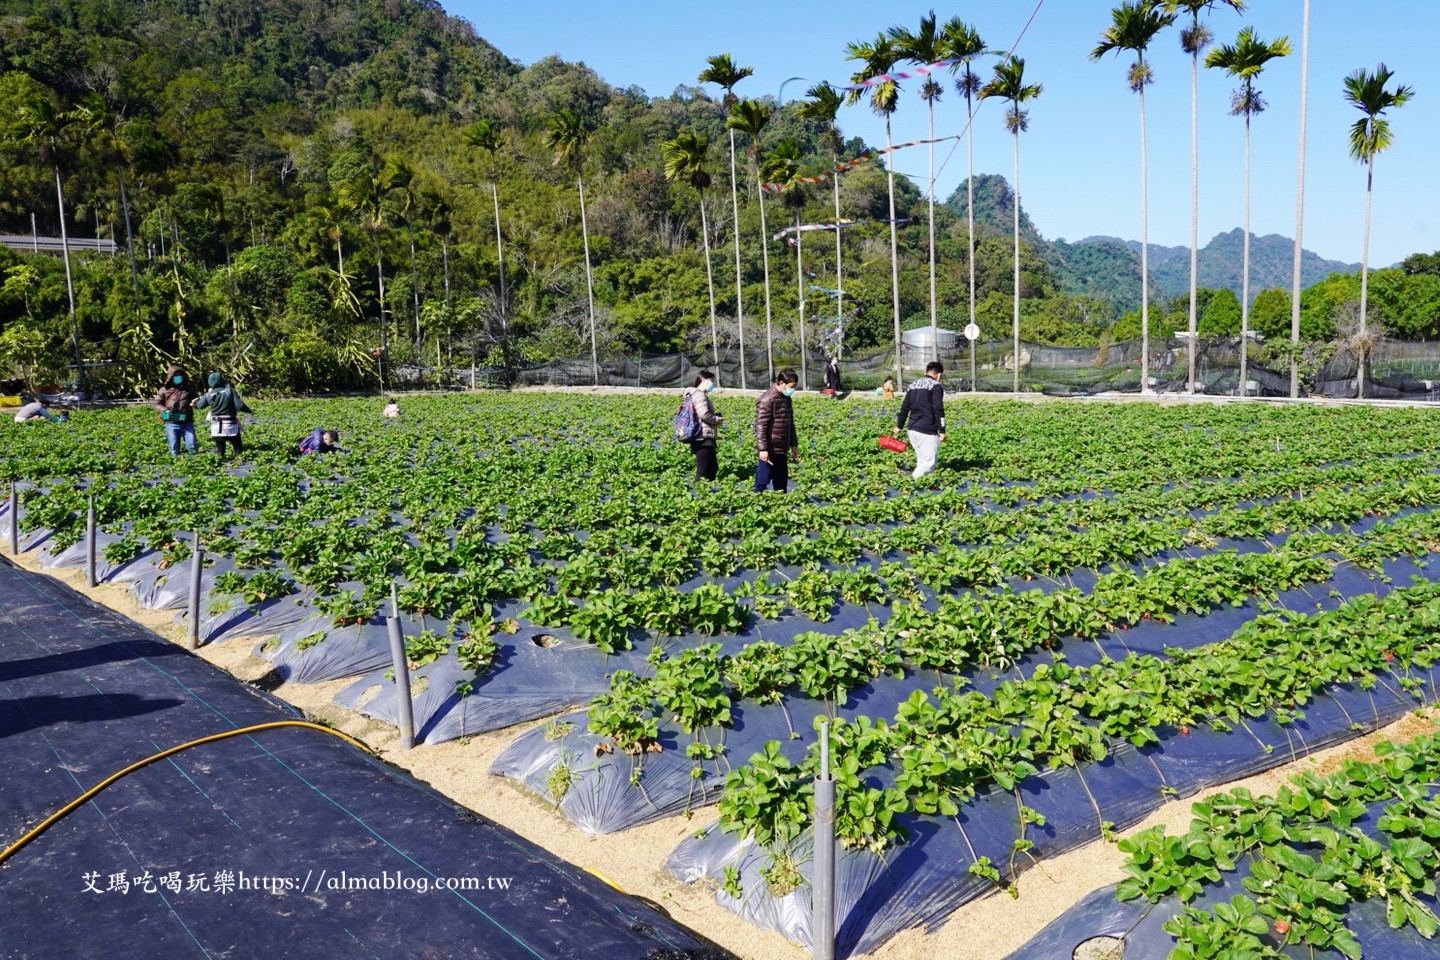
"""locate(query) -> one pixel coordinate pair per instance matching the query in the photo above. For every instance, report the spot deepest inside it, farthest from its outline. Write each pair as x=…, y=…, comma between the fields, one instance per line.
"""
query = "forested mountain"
x=304, y=191
x=1109, y=267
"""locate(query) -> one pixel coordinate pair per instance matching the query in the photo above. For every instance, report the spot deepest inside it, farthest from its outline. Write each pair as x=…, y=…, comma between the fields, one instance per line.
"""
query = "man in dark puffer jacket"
x=775, y=436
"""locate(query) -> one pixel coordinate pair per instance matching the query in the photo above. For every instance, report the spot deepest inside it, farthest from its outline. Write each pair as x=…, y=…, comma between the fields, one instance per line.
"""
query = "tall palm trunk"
x=1364, y=279
x=970, y=204
x=499, y=248
x=739, y=280
x=765, y=261
x=934, y=314
x=384, y=327
x=589, y=283
x=415, y=290
x=839, y=284
x=445, y=266
x=1245, y=277
x=1193, y=326
x=1144, y=251
x=710, y=288
x=504, y=310
x=894, y=252
x=1015, y=327
x=1299, y=209
x=230, y=287
x=800, y=293
x=129, y=235
x=70, y=284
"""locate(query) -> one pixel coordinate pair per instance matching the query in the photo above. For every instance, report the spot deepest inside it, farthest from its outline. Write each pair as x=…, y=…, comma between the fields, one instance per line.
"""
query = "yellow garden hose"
x=88, y=794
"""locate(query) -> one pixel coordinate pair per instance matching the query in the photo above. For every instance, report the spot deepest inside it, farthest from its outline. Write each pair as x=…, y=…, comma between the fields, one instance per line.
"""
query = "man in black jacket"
x=924, y=407
x=775, y=437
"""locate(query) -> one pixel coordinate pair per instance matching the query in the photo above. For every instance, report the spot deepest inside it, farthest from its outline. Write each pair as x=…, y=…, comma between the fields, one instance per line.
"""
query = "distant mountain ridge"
x=1220, y=262
x=1109, y=267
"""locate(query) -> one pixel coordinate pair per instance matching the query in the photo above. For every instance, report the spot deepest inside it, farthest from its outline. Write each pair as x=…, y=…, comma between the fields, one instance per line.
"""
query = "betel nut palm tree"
x=822, y=108
x=1369, y=136
x=1245, y=59
x=1299, y=203
x=751, y=117
x=1193, y=40
x=924, y=46
x=365, y=194
x=722, y=72
x=1133, y=26
x=964, y=44
x=876, y=59
x=485, y=135
x=687, y=158
x=781, y=167
x=1009, y=85
x=567, y=137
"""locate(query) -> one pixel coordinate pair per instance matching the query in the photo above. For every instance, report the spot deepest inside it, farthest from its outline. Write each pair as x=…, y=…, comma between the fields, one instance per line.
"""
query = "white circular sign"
x=972, y=331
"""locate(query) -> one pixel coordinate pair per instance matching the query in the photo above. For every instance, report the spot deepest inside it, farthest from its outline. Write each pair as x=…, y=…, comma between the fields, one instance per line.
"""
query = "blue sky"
x=1080, y=159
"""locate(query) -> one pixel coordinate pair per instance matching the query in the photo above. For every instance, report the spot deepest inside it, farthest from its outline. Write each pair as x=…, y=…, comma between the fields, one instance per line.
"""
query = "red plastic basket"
x=890, y=443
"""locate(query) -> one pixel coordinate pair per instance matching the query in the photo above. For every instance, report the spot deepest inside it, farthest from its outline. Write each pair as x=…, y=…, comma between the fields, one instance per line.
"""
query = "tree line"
x=332, y=195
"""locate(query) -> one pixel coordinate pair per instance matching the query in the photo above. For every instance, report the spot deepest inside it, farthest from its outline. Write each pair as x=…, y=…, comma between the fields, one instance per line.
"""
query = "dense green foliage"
x=301, y=194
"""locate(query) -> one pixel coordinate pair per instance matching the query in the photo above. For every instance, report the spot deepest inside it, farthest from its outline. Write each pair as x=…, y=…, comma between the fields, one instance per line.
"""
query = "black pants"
x=776, y=473
x=233, y=441
x=707, y=463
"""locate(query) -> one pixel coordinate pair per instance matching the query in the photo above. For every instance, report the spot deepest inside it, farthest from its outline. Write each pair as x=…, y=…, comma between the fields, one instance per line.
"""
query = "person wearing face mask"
x=175, y=403
x=225, y=405
x=775, y=436
x=706, y=461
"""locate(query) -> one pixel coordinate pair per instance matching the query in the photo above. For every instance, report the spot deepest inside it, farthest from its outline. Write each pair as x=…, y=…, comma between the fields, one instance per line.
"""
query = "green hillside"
x=295, y=184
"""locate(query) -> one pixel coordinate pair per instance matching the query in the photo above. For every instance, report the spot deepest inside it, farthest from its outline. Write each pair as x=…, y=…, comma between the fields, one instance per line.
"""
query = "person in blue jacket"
x=320, y=441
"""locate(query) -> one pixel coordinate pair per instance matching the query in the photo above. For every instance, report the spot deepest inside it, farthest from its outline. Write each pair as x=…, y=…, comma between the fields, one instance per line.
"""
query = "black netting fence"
x=1394, y=369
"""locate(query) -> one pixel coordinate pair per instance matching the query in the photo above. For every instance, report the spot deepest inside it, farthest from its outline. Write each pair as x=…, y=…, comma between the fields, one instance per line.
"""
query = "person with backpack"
x=775, y=436
x=924, y=407
x=225, y=405
x=175, y=403
x=702, y=409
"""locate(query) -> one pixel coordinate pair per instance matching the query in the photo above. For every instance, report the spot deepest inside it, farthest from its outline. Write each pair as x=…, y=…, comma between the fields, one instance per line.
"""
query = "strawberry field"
x=1088, y=610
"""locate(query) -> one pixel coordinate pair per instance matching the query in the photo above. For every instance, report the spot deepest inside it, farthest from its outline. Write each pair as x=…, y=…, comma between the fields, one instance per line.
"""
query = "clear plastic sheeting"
x=529, y=679
x=607, y=792
x=228, y=616
x=314, y=650
x=602, y=790
x=923, y=880
x=1140, y=924
x=169, y=589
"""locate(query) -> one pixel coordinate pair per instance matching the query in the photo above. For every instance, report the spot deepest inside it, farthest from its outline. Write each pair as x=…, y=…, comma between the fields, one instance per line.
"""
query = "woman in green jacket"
x=226, y=405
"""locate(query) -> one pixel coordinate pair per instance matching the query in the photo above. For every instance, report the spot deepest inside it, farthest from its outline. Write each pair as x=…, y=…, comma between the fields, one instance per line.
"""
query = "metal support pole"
x=90, y=578
x=822, y=880
x=973, y=385
x=14, y=519
x=197, y=564
x=405, y=712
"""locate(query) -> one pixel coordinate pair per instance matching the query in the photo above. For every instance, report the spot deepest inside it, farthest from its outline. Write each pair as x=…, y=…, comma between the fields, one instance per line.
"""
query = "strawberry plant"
x=627, y=715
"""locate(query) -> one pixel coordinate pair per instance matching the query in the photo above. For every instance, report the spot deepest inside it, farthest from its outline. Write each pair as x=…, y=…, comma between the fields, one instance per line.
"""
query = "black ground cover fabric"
x=85, y=692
